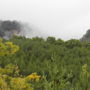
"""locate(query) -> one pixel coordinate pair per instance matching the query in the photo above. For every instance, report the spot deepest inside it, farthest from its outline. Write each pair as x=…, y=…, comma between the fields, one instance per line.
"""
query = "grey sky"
x=61, y=18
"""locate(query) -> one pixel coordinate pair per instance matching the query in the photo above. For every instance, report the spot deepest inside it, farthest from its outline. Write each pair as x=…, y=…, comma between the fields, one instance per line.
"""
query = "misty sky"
x=64, y=19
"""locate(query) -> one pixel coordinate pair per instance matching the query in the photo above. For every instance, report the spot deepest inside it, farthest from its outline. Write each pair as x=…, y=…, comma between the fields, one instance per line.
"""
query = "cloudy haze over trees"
x=64, y=19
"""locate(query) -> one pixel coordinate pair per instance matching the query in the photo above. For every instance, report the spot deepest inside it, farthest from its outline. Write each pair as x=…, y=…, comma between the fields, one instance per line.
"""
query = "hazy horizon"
x=64, y=19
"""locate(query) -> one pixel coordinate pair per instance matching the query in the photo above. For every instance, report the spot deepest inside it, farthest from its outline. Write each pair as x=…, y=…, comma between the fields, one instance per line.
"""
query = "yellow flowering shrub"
x=20, y=84
x=7, y=48
x=11, y=70
x=17, y=83
x=3, y=83
x=11, y=47
x=34, y=77
x=11, y=80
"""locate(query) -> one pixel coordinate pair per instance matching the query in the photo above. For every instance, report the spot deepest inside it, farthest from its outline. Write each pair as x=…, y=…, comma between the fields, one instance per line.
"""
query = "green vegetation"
x=38, y=64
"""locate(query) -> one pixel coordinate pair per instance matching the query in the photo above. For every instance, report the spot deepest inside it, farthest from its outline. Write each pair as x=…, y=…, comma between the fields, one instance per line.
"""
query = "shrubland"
x=38, y=64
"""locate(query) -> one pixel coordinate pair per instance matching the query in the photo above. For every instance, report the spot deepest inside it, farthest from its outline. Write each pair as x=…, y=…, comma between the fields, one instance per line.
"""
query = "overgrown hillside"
x=51, y=64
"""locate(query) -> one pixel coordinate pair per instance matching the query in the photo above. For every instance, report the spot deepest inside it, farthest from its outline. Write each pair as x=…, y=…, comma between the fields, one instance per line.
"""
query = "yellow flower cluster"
x=34, y=77
x=12, y=48
x=20, y=84
x=7, y=48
